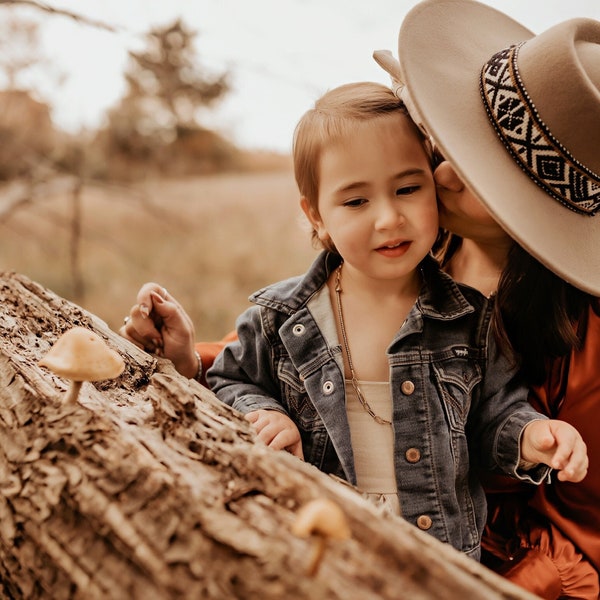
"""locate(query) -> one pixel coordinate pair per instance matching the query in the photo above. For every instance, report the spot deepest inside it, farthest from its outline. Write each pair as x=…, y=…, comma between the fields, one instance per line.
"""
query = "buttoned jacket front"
x=456, y=403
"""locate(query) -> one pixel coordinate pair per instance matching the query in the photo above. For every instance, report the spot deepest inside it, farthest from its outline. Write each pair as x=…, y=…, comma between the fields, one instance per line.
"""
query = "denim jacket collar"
x=439, y=298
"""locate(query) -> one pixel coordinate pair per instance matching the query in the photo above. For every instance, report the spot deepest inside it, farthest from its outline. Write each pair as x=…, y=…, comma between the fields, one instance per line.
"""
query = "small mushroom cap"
x=323, y=517
x=81, y=355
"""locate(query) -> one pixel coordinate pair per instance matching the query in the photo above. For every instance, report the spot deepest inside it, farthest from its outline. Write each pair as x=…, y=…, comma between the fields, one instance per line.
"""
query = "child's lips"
x=394, y=249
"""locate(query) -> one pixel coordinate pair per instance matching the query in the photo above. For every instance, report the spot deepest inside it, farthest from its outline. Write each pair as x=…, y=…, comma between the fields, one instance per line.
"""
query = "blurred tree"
x=30, y=145
x=166, y=93
x=167, y=73
x=27, y=134
x=19, y=49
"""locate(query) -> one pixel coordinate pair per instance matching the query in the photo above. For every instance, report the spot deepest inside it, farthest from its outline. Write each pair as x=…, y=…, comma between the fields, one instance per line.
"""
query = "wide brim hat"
x=520, y=125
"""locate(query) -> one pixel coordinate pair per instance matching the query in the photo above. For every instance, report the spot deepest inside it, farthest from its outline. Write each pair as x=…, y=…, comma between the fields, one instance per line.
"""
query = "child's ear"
x=313, y=217
x=319, y=230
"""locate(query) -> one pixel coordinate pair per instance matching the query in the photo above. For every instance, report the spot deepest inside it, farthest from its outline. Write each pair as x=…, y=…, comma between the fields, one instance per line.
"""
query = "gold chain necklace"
x=354, y=380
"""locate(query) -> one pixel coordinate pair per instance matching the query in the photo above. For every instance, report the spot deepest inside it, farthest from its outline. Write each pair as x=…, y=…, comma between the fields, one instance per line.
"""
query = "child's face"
x=377, y=200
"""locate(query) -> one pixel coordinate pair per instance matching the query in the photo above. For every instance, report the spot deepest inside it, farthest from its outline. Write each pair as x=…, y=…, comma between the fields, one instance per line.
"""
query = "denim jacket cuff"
x=509, y=449
x=246, y=404
x=535, y=473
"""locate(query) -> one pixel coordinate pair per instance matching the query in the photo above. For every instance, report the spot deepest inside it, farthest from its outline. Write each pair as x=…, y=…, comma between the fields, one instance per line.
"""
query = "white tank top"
x=373, y=443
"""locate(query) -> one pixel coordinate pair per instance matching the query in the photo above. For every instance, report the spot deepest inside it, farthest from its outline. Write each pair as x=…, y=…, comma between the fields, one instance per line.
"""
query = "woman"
x=521, y=125
x=546, y=540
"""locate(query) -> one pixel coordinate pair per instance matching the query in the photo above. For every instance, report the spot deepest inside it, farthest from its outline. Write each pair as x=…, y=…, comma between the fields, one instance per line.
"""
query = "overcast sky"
x=282, y=54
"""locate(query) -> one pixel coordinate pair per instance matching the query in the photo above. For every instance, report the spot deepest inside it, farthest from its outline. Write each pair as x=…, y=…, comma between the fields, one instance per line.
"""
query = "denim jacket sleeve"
x=500, y=417
x=242, y=374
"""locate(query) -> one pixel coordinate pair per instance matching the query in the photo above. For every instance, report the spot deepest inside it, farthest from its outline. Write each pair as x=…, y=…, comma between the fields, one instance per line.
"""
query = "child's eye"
x=355, y=202
x=407, y=190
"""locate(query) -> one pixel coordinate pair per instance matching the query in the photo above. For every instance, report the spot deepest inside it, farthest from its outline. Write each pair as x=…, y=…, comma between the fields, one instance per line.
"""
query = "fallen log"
x=149, y=487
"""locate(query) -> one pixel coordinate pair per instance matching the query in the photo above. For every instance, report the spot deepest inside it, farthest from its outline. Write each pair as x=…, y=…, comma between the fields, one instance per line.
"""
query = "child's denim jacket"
x=457, y=405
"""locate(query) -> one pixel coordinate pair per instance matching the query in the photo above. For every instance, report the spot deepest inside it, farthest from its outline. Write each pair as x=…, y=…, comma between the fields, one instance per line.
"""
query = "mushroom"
x=325, y=520
x=81, y=355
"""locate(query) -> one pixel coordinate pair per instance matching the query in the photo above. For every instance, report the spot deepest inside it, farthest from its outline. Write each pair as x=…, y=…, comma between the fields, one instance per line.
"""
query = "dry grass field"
x=210, y=240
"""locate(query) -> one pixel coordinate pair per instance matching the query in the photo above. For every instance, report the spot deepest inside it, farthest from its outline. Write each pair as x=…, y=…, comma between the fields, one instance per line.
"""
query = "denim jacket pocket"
x=295, y=397
x=316, y=445
x=456, y=375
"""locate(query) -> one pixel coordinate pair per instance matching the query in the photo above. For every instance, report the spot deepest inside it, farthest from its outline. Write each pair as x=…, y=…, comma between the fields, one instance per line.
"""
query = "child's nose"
x=389, y=215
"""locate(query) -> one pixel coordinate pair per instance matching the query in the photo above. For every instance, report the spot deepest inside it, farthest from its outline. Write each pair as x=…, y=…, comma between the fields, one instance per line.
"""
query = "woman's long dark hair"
x=537, y=315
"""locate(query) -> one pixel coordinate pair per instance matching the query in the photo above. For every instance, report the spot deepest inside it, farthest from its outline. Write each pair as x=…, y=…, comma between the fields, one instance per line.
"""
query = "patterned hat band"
x=529, y=140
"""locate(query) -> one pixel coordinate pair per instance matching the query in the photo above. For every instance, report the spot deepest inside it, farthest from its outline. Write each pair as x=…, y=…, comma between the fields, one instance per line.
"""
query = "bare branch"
x=65, y=13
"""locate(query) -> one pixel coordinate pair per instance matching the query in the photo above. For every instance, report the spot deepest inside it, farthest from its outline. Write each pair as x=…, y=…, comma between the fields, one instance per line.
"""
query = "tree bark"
x=149, y=487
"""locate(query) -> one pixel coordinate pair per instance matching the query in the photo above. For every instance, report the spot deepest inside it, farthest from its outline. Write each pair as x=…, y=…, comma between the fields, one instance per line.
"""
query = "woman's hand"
x=158, y=324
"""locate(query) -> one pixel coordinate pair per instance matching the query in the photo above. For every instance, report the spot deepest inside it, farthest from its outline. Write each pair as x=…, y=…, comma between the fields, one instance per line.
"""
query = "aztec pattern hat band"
x=528, y=139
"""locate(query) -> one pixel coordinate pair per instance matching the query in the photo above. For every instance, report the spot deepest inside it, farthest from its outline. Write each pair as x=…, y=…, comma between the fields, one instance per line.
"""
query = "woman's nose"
x=445, y=176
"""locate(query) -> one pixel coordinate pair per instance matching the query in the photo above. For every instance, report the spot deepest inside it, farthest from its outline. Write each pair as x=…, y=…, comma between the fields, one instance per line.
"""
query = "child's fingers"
x=275, y=433
x=252, y=417
x=573, y=473
x=577, y=466
x=266, y=429
x=257, y=419
x=287, y=439
x=296, y=449
x=570, y=458
x=566, y=440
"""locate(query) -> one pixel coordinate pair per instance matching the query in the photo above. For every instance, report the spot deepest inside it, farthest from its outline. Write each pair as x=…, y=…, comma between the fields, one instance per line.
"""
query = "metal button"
x=328, y=388
x=413, y=455
x=407, y=387
x=299, y=329
x=424, y=522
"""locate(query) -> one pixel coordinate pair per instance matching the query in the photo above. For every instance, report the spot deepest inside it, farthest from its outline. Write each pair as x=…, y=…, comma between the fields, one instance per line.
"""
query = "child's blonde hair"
x=331, y=119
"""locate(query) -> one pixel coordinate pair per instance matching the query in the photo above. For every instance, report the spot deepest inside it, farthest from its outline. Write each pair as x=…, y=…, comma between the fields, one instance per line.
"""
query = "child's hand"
x=160, y=325
x=277, y=431
x=558, y=445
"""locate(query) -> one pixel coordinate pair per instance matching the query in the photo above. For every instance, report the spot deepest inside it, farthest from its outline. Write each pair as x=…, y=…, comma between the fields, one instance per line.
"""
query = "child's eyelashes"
x=355, y=202
x=407, y=190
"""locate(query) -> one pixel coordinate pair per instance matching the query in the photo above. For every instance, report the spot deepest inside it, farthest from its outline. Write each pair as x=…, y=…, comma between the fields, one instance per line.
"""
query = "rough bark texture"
x=149, y=487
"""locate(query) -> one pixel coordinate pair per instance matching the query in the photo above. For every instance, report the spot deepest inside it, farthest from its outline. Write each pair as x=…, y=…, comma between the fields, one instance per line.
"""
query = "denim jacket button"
x=298, y=329
x=328, y=388
x=424, y=522
x=413, y=455
x=407, y=387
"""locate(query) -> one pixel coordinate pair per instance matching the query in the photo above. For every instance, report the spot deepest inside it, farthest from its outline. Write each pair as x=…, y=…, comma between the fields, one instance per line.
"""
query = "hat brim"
x=442, y=47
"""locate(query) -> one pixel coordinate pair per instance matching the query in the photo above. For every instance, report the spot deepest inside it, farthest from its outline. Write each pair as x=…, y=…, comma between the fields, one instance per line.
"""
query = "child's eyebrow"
x=356, y=185
x=408, y=172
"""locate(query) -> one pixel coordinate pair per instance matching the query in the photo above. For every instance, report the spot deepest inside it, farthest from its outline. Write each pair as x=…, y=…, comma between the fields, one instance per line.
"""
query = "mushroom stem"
x=322, y=519
x=317, y=556
x=73, y=392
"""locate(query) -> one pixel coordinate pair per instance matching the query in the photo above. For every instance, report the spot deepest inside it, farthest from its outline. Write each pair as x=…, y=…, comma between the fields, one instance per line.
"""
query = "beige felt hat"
x=520, y=124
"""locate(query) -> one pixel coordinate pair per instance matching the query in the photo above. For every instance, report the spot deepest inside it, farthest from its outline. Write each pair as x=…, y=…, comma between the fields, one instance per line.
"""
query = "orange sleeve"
x=208, y=351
